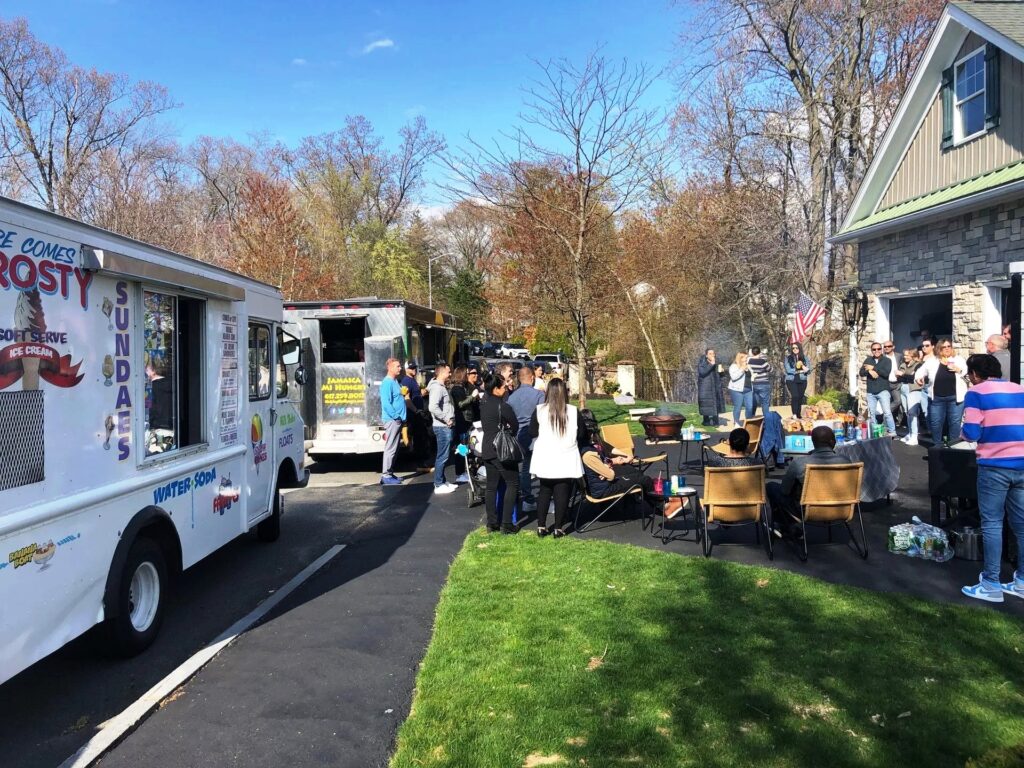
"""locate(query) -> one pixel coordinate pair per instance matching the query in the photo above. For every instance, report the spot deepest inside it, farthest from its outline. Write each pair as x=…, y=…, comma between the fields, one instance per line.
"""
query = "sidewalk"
x=328, y=677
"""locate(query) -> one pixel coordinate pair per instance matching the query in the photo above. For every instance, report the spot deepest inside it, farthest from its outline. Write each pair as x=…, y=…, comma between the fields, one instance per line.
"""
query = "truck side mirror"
x=300, y=376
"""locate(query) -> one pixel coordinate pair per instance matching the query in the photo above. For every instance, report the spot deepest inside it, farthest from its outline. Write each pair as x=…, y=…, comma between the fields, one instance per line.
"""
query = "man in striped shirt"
x=760, y=380
x=994, y=419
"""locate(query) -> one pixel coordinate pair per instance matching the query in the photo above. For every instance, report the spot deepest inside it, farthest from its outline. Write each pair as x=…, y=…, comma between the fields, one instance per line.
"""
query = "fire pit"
x=662, y=424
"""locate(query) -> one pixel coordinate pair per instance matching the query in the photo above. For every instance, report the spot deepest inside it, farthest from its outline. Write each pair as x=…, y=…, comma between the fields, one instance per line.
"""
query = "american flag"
x=808, y=312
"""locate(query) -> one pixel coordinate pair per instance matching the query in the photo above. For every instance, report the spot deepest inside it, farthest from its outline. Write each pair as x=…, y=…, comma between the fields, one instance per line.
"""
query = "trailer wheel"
x=270, y=529
x=141, y=587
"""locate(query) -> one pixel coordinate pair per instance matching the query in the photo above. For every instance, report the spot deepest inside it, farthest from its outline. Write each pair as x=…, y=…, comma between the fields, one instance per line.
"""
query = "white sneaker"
x=446, y=488
x=910, y=439
x=482, y=473
x=463, y=478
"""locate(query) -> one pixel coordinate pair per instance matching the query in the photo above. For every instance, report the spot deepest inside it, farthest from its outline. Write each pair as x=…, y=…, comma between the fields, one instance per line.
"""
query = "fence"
x=681, y=385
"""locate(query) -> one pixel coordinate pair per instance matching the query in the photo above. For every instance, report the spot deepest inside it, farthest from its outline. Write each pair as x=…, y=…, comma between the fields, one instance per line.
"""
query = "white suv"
x=556, y=362
x=512, y=352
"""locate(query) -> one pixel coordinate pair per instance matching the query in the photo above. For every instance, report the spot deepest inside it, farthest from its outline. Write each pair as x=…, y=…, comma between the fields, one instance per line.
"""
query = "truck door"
x=262, y=465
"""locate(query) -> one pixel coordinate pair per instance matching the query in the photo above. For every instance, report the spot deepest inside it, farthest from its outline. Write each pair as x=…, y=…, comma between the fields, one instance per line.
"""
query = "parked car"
x=475, y=346
x=557, y=362
x=512, y=351
x=488, y=349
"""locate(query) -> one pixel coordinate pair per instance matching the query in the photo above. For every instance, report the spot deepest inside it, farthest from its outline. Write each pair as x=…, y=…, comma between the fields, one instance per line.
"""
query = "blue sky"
x=296, y=69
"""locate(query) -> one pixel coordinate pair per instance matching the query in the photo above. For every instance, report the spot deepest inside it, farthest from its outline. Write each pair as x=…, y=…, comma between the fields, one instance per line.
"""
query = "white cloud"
x=299, y=62
x=384, y=42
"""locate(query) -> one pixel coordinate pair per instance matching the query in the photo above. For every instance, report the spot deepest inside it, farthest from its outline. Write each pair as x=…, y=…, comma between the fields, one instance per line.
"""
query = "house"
x=938, y=215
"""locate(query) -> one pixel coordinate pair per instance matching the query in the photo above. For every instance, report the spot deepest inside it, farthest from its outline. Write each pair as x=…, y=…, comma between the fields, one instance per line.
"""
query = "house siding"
x=926, y=168
x=962, y=254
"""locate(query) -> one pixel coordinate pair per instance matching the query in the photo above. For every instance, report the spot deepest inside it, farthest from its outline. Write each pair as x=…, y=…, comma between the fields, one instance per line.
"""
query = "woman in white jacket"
x=944, y=377
x=556, y=458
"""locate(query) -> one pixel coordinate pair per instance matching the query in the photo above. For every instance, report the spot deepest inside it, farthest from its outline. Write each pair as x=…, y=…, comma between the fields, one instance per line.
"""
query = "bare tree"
x=581, y=157
x=56, y=119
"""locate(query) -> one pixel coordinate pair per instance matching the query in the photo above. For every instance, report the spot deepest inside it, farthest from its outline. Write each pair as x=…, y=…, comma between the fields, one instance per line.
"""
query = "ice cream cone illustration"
x=108, y=309
x=108, y=370
x=108, y=425
x=28, y=316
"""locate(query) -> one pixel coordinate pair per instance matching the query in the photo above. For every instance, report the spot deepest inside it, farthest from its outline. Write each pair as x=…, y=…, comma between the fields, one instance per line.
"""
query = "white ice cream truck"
x=146, y=419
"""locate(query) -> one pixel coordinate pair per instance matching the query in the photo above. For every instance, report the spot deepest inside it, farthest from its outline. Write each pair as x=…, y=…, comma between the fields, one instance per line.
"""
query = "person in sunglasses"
x=876, y=370
x=946, y=379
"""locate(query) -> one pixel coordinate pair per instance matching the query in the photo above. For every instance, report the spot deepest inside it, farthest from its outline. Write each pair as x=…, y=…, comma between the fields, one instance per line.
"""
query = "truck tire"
x=269, y=530
x=141, y=592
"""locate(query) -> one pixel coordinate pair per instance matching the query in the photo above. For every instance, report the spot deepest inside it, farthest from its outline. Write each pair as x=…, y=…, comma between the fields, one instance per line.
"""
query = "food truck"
x=345, y=345
x=147, y=418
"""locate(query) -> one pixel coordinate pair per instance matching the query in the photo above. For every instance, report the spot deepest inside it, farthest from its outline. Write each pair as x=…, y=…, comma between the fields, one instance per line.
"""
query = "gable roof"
x=1002, y=16
x=998, y=21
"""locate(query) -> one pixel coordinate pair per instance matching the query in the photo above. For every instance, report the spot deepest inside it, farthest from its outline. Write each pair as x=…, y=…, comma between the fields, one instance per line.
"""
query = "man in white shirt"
x=889, y=350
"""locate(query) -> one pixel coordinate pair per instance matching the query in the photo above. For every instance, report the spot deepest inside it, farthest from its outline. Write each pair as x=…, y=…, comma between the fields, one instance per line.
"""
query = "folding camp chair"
x=735, y=496
x=754, y=427
x=608, y=502
x=831, y=495
x=618, y=436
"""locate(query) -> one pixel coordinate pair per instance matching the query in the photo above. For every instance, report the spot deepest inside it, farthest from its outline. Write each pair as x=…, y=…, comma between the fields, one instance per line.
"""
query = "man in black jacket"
x=876, y=370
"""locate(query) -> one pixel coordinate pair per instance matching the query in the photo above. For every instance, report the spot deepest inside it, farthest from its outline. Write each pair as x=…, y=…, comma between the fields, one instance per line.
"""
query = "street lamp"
x=430, y=280
x=855, y=314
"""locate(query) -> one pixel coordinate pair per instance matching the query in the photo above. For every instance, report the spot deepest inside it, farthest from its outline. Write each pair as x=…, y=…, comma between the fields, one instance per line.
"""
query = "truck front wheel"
x=141, y=587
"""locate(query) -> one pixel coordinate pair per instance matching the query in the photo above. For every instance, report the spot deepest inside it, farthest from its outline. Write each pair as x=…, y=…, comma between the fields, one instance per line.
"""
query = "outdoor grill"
x=662, y=425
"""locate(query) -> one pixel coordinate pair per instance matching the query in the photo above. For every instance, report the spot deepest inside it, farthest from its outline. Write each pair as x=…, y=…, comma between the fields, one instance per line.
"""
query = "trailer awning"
x=128, y=266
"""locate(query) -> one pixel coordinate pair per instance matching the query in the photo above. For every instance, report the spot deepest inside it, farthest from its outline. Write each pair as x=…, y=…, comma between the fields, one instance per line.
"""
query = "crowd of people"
x=558, y=443
x=922, y=386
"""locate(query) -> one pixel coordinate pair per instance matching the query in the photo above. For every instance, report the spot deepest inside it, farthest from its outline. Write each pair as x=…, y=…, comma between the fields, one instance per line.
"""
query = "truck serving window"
x=259, y=362
x=174, y=371
x=342, y=340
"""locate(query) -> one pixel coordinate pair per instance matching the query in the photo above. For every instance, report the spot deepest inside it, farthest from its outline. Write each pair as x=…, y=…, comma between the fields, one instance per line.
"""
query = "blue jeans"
x=884, y=399
x=743, y=399
x=525, y=482
x=911, y=407
x=443, y=435
x=1000, y=491
x=945, y=412
x=762, y=397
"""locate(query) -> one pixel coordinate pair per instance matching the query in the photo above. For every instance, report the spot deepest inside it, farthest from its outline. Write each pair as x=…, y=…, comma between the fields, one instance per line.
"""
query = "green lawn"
x=573, y=652
x=607, y=412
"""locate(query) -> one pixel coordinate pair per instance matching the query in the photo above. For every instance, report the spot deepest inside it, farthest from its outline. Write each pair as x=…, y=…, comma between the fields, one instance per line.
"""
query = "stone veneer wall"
x=962, y=253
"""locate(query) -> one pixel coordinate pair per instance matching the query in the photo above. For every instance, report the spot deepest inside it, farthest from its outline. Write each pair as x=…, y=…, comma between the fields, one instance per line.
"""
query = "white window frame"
x=958, y=137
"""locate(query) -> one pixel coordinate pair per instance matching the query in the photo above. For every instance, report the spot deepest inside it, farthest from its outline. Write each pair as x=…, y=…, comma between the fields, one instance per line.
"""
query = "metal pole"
x=853, y=361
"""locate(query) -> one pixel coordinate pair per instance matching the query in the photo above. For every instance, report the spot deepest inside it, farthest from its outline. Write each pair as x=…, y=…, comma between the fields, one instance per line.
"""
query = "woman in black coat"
x=710, y=399
x=494, y=411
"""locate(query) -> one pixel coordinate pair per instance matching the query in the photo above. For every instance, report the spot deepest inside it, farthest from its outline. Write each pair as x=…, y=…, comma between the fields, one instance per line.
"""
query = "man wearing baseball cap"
x=418, y=417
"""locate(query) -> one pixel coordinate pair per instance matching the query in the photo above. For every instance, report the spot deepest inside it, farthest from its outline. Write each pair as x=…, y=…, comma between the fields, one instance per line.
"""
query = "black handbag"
x=506, y=447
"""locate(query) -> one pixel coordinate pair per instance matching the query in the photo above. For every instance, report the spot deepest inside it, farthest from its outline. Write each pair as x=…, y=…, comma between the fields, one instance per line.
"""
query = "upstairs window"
x=969, y=87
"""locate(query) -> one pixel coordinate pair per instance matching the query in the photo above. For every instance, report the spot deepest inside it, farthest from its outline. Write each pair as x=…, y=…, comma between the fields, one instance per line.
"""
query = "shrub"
x=610, y=386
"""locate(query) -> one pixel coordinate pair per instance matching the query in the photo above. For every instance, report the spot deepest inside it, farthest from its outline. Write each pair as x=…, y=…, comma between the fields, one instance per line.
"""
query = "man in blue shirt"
x=524, y=401
x=393, y=413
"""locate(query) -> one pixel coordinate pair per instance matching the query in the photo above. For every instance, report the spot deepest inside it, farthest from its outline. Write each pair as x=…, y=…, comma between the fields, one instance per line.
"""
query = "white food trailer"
x=146, y=419
x=346, y=344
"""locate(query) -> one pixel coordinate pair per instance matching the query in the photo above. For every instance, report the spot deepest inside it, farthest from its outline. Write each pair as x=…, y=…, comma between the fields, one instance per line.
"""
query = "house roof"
x=983, y=183
x=998, y=21
x=1003, y=16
